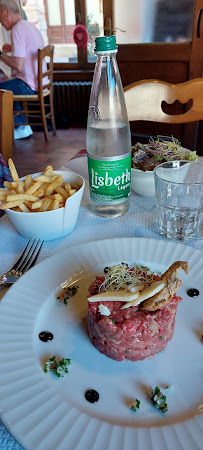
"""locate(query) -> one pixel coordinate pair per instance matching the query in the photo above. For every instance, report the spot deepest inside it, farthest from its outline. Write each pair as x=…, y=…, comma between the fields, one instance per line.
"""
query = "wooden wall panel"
x=172, y=71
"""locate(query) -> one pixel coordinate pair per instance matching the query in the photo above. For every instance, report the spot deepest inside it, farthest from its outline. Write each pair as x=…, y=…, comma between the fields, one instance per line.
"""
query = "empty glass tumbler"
x=179, y=195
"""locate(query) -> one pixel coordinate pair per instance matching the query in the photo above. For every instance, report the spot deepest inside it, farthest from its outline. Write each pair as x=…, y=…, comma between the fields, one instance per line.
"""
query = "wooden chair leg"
x=51, y=103
x=25, y=111
x=44, y=120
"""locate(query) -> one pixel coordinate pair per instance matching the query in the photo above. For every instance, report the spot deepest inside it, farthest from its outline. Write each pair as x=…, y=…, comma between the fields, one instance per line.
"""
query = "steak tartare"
x=133, y=333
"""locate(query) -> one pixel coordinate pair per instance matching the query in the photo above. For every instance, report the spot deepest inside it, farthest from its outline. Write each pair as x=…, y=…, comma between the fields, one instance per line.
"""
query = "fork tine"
x=27, y=257
x=36, y=256
x=31, y=257
x=21, y=258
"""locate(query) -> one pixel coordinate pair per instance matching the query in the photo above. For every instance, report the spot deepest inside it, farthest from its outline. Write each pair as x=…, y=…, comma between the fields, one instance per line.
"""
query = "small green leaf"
x=159, y=400
x=135, y=405
x=58, y=367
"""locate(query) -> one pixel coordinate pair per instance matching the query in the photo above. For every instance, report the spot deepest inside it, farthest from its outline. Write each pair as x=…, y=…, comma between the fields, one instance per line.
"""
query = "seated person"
x=26, y=39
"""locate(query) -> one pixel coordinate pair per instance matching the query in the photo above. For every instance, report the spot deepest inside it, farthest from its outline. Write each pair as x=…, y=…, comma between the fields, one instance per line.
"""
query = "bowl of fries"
x=45, y=204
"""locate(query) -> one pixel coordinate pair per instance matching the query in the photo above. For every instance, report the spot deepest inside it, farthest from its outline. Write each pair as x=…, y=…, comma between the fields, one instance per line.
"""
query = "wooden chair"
x=43, y=92
x=146, y=99
x=6, y=124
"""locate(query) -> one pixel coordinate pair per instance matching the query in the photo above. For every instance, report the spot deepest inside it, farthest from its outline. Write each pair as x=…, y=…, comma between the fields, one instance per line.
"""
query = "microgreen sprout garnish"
x=125, y=277
x=159, y=400
x=147, y=156
x=135, y=405
x=60, y=368
x=66, y=293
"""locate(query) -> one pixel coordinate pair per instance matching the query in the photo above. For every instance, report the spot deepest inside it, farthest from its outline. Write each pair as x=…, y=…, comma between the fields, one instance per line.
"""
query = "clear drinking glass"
x=179, y=195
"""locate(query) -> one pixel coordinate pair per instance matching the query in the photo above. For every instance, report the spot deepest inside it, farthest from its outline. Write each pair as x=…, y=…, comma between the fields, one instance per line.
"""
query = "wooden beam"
x=155, y=52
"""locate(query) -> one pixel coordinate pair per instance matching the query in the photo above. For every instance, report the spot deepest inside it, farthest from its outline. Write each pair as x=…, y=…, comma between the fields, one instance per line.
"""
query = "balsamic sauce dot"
x=46, y=336
x=92, y=396
x=193, y=292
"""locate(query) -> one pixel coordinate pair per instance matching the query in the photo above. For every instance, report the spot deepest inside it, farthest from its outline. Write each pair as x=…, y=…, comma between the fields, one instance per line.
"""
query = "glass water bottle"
x=108, y=135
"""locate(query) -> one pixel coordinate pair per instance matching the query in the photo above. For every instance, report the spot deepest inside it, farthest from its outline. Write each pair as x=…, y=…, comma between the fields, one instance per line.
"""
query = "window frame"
x=80, y=16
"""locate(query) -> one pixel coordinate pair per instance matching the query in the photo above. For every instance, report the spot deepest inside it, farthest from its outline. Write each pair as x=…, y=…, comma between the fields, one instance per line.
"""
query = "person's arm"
x=14, y=62
x=17, y=46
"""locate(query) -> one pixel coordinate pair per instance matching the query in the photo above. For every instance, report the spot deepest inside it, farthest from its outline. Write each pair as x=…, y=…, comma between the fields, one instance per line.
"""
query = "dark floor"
x=34, y=153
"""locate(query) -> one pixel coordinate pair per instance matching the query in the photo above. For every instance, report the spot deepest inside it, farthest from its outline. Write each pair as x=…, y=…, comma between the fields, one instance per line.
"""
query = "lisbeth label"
x=109, y=180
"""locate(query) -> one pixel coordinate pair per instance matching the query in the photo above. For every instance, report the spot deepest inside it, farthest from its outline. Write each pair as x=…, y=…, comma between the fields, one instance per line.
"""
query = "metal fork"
x=27, y=260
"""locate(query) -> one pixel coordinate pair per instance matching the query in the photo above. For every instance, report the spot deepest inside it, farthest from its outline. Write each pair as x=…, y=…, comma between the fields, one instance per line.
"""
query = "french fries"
x=46, y=192
x=13, y=170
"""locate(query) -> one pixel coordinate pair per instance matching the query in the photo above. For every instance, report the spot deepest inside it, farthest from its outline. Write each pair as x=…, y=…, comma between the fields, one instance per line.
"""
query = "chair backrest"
x=6, y=123
x=47, y=51
x=144, y=100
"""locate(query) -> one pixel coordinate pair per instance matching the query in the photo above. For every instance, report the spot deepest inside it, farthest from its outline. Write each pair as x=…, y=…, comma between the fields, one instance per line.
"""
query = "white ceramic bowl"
x=143, y=182
x=54, y=224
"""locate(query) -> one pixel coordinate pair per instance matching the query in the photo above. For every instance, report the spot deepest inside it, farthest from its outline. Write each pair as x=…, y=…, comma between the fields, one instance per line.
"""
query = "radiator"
x=71, y=101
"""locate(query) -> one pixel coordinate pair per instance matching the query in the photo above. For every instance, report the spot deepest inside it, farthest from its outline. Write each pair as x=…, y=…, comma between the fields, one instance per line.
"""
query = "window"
x=144, y=21
x=57, y=19
x=132, y=21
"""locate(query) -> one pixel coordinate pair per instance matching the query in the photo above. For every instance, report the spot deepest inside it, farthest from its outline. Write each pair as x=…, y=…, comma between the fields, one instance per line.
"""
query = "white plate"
x=45, y=412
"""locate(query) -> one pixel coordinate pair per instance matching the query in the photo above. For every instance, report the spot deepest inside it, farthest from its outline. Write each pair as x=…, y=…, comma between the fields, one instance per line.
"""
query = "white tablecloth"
x=139, y=221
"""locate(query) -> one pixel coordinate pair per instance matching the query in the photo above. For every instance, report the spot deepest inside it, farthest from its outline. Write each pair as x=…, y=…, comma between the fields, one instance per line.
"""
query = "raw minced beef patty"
x=130, y=333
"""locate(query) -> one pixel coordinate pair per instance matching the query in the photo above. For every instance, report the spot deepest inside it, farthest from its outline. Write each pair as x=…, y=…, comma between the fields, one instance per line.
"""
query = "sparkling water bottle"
x=108, y=135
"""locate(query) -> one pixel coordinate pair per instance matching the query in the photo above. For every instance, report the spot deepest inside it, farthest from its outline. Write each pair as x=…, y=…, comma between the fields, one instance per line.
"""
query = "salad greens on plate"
x=148, y=156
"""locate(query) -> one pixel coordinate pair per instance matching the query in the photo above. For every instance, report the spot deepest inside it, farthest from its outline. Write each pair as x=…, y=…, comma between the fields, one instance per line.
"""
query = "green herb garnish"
x=159, y=400
x=60, y=368
x=135, y=405
x=66, y=293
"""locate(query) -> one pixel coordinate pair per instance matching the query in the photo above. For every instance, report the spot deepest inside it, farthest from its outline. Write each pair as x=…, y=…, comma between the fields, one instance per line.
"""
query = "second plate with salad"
x=145, y=157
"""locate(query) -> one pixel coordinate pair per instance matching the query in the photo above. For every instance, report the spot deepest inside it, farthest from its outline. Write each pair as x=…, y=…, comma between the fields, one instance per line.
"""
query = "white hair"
x=10, y=4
